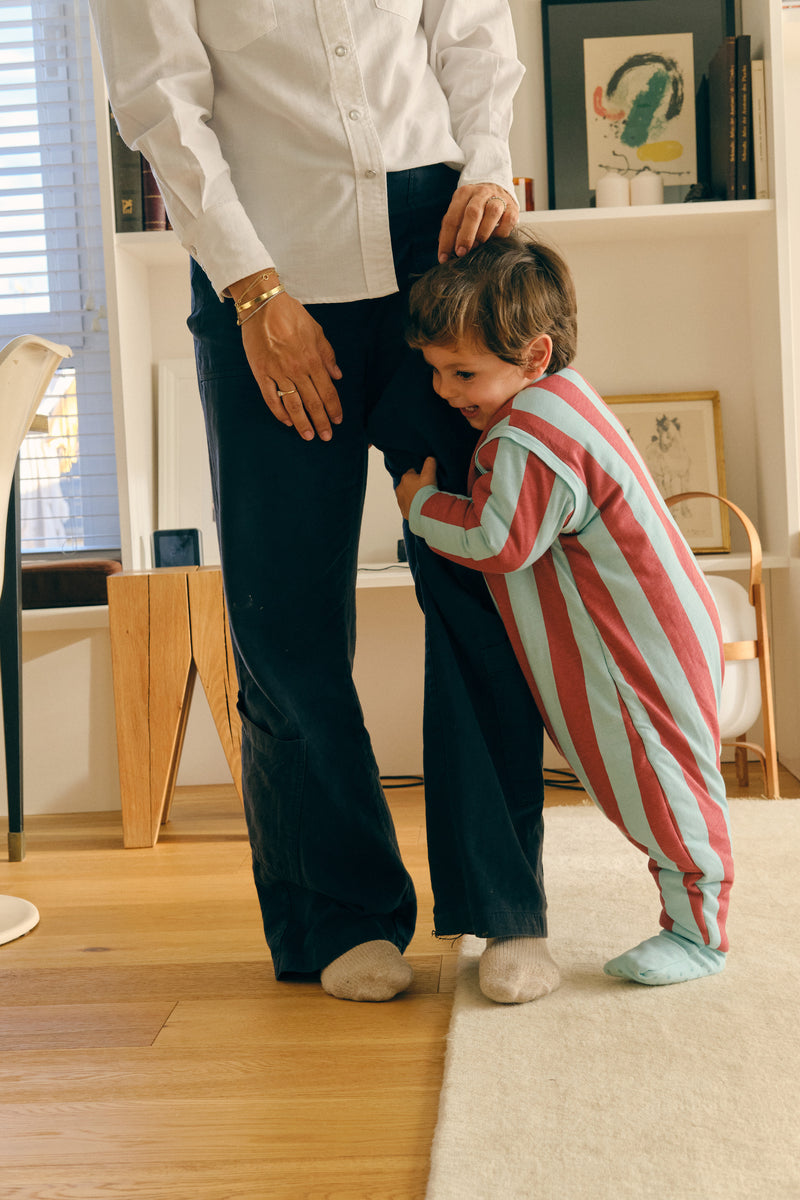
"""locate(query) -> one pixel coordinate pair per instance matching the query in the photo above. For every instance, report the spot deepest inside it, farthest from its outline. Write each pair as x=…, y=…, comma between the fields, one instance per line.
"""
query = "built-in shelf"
x=370, y=575
x=384, y=575
x=42, y=620
x=721, y=564
x=161, y=248
x=712, y=218
x=95, y=616
x=155, y=248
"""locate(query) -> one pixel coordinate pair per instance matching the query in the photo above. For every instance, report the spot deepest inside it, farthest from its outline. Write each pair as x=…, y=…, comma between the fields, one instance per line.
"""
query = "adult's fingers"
x=476, y=213
x=295, y=366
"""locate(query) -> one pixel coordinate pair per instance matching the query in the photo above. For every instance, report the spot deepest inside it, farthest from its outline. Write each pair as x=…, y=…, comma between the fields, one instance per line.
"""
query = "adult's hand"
x=294, y=365
x=477, y=212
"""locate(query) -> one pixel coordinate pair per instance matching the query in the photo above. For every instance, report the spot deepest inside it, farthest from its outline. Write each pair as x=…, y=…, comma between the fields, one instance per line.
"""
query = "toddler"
x=606, y=608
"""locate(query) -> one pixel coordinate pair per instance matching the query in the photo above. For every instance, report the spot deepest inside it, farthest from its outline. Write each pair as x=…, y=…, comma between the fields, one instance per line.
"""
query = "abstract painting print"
x=640, y=107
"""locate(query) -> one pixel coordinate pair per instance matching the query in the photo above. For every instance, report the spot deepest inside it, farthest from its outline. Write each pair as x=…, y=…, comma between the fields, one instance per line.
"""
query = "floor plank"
x=69, y=1026
x=358, y=1178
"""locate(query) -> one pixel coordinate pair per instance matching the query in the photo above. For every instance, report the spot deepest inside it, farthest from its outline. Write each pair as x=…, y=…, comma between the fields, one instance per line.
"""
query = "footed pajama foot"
x=373, y=971
x=666, y=958
x=514, y=970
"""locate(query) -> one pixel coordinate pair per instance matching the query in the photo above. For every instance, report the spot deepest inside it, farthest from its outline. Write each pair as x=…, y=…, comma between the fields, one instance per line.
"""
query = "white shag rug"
x=609, y=1090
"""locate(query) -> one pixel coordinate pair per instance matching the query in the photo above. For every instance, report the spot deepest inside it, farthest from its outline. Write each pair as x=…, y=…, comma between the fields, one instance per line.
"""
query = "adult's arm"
x=472, y=52
x=161, y=87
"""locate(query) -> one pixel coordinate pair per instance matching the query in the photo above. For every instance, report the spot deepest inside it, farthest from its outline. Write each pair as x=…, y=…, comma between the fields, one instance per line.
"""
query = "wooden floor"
x=147, y=1051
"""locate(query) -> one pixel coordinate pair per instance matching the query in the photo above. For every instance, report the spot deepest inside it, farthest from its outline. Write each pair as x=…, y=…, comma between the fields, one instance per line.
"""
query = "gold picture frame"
x=679, y=436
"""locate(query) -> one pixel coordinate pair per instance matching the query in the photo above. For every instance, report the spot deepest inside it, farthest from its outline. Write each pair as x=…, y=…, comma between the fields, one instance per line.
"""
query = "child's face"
x=475, y=381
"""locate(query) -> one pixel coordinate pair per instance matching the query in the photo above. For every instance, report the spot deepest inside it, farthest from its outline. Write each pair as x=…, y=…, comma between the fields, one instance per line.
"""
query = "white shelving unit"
x=672, y=298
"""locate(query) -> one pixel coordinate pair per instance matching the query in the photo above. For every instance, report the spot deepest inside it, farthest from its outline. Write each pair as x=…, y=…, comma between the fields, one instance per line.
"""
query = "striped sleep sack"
x=613, y=624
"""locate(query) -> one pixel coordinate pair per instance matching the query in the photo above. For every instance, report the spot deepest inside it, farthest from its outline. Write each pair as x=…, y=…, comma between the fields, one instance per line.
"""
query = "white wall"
x=69, y=733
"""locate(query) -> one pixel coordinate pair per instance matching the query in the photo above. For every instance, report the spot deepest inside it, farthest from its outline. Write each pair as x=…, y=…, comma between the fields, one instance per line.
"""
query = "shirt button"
x=354, y=114
x=370, y=174
x=340, y=51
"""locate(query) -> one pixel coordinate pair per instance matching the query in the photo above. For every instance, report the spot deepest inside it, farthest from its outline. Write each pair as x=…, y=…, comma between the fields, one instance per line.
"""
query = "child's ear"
x=540, y=351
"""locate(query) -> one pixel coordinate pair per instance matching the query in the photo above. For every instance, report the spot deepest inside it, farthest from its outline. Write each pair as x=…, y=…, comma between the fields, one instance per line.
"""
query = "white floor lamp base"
x=16, y=918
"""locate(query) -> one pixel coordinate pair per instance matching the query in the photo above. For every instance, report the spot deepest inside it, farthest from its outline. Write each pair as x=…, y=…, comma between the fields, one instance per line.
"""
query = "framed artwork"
x=679, y=436
x=625, y=89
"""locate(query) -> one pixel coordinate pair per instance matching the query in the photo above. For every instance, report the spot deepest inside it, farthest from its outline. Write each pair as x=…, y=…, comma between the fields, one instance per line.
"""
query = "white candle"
x=647, y=187
x=612, y=190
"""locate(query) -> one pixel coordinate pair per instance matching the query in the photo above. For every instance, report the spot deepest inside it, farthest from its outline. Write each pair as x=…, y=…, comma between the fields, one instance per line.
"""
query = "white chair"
x=27, y=364
x=747, y=686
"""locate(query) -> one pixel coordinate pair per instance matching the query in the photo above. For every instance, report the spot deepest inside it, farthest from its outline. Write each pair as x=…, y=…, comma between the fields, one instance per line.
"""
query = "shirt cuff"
x=488, y=161
x=225, y=244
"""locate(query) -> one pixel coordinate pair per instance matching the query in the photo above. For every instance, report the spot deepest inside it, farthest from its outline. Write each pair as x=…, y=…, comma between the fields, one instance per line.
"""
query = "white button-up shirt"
x=271, y=124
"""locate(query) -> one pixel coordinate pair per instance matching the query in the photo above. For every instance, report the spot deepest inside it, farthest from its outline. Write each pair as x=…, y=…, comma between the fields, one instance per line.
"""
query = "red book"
x=155, y=213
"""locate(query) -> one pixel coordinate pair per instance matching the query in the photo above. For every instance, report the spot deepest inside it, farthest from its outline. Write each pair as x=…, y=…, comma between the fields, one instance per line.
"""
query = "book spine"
x=743, y=117
x=155, y=213
x=126, y=170
x=759, y=138
x=722, y=120
x=730, y=76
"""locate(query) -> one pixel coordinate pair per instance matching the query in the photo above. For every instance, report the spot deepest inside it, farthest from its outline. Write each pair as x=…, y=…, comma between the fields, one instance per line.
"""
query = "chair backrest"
x=740, y=702
x=747, y=686
x=27, y=364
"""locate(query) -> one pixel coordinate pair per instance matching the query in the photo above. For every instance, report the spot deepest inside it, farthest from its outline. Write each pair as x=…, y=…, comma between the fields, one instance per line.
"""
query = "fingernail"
x=307, y=436
x=326, y=436
x=442, y=258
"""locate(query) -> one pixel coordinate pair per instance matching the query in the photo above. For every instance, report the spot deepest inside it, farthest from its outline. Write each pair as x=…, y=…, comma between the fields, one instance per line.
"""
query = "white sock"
x=372, y=971
x=514, y=970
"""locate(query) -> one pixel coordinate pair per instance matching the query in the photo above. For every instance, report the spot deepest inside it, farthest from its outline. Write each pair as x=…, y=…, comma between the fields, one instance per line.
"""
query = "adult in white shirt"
x=313, y=155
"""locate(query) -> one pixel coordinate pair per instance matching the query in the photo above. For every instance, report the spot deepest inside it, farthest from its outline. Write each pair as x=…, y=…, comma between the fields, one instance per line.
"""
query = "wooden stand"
x=167, y=627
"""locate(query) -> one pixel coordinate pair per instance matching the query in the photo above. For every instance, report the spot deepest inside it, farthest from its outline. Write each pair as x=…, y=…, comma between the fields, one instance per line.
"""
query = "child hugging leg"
x=605, y=607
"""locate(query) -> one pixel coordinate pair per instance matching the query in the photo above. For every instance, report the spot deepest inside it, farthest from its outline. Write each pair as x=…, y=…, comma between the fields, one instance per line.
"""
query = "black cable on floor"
x=568, y=781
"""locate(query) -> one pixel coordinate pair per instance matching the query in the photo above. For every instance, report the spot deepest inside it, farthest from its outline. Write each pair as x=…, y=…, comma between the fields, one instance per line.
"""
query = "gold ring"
x=288, y=392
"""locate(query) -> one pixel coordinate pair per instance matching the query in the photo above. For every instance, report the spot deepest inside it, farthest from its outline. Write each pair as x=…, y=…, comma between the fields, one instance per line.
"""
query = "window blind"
x=51, y=270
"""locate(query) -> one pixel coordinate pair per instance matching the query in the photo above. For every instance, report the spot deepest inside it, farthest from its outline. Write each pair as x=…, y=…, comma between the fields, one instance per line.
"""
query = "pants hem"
x=502, y=924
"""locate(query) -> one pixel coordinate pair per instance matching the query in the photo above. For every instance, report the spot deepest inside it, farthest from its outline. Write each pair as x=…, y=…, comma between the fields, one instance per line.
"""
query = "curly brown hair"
x=502, y=295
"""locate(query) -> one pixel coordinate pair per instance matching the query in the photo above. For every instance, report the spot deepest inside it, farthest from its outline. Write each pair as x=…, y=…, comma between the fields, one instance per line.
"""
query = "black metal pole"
x=11, y=673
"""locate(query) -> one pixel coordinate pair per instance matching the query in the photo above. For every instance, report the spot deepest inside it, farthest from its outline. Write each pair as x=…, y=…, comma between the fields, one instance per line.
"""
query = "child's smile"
x=475, y=381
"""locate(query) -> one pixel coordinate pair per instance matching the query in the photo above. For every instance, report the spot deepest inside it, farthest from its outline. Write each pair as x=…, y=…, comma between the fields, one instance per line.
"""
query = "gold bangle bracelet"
x=255, y=282
x=240, y=308
x=260, y=302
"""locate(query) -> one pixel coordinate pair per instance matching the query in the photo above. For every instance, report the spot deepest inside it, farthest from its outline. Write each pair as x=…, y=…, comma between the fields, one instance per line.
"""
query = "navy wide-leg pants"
x=326, y=864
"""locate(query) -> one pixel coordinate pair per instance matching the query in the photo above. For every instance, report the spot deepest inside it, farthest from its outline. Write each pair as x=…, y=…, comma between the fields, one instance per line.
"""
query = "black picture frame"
x=565, y=24
x=177, y=548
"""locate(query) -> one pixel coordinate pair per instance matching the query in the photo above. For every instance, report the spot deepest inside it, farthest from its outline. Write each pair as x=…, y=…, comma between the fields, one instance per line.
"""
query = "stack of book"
x=737, y=123
x=138, y=203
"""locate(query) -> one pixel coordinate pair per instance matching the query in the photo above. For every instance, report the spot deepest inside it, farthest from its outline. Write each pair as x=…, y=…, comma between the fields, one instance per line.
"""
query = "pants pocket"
x=273, y=774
